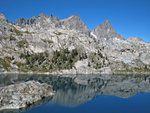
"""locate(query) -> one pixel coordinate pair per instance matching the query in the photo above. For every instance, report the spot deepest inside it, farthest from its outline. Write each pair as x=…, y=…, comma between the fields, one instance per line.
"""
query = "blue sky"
x=128, y=17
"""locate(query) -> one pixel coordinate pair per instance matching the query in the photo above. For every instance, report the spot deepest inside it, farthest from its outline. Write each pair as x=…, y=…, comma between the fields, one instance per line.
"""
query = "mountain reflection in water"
x=78, y=89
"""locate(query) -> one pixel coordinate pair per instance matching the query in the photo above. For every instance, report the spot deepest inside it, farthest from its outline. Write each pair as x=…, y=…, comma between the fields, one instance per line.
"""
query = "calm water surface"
x=88, y=93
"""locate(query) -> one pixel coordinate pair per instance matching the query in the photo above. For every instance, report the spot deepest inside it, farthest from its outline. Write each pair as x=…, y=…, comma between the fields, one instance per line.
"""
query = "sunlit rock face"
x=24, y=94
x=101, y=50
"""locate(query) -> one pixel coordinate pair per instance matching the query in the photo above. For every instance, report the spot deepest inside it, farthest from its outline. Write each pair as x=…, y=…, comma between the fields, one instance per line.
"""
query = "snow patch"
x=92, y=34
x=116, y=38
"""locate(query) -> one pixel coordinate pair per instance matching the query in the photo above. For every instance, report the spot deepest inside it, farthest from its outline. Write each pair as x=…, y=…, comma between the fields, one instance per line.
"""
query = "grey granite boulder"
x=23, y=94
x=145, y=58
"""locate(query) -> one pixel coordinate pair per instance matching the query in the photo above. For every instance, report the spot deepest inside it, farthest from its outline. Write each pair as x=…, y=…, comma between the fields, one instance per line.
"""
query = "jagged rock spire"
x=105, y=30
x=42, y=15
x=74, y=22
x=56, y=18
x=51, y=17
x=2, y=17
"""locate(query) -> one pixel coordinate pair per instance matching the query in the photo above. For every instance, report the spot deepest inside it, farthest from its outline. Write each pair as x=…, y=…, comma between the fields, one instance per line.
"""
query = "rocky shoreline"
x=68, y=72
x=24, y=94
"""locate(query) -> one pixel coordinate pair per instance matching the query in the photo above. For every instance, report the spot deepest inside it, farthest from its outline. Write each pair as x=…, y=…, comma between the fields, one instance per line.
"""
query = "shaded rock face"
x=22, y=22
x=5, y=26
x=75, y=23
x=106, y=31
x=23, y=94
x=42, y=22
x=145, y=58
x=46, y=22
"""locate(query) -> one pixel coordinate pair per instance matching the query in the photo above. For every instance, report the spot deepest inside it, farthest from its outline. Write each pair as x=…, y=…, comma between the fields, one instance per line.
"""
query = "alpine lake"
x=87, y=93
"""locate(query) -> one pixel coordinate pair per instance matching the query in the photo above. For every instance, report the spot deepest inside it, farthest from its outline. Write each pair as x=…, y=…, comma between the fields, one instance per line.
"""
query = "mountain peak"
x=42, y=15
x=106, y=25
x=106, y=22
x=105, y=30
x=74, y=22
x=2, y=16
x=75, y=16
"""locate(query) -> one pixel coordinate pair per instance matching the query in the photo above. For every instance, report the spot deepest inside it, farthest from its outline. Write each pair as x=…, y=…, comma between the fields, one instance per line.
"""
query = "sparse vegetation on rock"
x=67, y=42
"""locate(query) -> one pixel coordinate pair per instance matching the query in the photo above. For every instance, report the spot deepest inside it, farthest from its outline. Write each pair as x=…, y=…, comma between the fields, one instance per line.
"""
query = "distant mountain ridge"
x=46, y=44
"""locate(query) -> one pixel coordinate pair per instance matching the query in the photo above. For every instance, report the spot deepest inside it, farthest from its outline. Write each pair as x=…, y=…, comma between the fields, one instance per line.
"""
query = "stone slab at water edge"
x=23, y=94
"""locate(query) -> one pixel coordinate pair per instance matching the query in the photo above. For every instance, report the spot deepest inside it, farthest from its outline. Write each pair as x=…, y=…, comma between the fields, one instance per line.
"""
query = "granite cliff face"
x=46, y=44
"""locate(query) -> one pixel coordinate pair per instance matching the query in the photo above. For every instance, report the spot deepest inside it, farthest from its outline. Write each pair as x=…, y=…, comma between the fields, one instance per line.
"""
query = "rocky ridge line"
x=32, y=45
